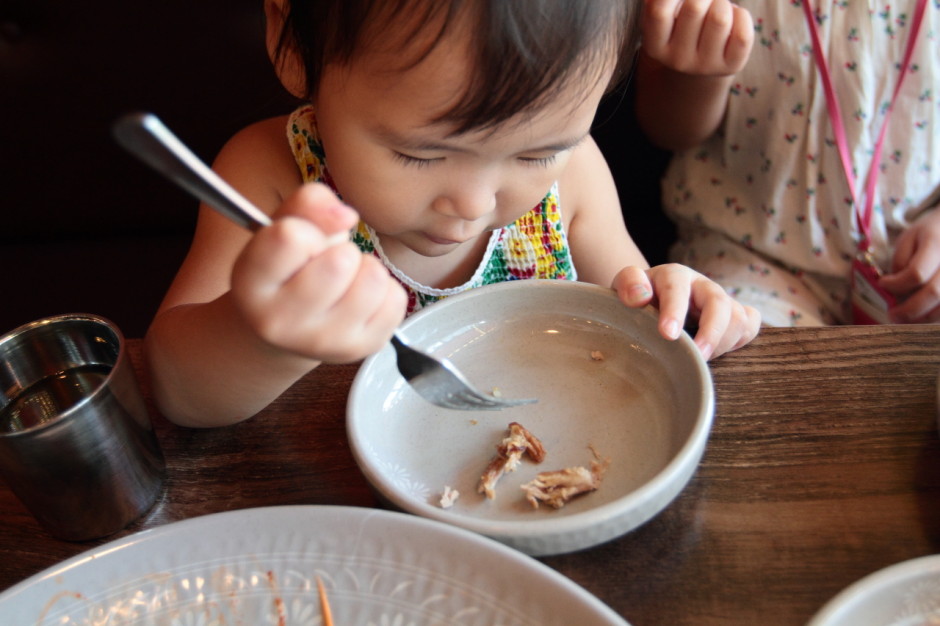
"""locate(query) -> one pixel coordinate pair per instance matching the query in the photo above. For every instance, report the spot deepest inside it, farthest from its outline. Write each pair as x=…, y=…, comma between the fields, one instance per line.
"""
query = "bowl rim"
x=687, y=456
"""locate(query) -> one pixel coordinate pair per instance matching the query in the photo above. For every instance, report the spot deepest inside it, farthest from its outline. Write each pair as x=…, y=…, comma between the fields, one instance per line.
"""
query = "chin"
x=434, y=249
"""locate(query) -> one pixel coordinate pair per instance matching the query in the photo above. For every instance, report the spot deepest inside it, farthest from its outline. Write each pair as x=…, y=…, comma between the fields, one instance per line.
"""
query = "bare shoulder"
x=600, y=243
x=587, y=183
x=259, y=163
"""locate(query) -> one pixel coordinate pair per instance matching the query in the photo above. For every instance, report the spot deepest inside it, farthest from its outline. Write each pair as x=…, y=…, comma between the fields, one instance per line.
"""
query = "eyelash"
x=540, y=161
x=413, y=161
x=422, y=163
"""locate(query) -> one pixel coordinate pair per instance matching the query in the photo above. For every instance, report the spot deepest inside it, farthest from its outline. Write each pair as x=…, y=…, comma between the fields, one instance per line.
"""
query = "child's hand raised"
x=700, y=37
x=304, y=294
x=679, y=291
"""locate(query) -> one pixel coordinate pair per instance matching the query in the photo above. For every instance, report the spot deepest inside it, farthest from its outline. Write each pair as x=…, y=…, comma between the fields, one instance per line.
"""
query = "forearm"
x=676, y=110
x=208, y=369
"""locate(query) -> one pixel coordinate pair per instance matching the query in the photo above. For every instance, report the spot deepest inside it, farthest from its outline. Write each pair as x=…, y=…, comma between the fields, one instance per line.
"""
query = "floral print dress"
x=534, y=246
x=763, y=206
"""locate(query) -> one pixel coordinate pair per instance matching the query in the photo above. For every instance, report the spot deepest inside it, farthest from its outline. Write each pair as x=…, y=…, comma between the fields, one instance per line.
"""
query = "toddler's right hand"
x=302, y=294
x=700, y=37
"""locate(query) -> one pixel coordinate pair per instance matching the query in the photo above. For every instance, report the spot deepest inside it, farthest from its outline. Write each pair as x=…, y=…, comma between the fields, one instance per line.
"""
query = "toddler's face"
x=420, y=188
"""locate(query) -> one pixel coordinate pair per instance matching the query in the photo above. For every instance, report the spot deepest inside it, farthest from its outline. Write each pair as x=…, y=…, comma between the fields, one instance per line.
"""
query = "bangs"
x=526, y=52
x=523, y=52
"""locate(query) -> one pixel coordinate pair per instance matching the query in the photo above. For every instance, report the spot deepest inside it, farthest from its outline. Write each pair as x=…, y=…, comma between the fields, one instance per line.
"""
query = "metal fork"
x=145, y=136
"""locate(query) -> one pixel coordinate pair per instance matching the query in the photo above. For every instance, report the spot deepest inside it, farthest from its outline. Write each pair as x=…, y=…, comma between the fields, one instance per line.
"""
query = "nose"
x=468, y=199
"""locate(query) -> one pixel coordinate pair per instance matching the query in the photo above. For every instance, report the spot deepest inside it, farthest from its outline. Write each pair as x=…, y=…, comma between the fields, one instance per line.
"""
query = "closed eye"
x=412, y=161
x=539, y=161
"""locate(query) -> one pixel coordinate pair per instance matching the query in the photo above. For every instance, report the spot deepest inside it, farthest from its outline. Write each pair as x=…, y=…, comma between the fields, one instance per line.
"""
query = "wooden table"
x=823, y=466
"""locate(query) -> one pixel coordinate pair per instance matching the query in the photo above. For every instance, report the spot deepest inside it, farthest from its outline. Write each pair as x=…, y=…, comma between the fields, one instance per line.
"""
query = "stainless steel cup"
x=76, y=442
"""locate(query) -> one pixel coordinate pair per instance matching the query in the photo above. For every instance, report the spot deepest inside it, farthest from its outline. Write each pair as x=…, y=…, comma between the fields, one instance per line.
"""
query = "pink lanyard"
x=863, y=215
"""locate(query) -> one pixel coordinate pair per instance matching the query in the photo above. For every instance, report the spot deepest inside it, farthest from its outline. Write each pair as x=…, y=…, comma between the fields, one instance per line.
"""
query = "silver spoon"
x=145, y=136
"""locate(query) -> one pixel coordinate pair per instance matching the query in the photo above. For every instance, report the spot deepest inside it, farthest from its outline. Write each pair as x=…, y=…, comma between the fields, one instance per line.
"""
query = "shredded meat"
x=556, y=488
x=509, y=452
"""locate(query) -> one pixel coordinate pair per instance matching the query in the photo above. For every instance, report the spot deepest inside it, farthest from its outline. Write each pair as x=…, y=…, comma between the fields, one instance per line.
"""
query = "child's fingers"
x=921, y=306
x=679, y=291
x=715, y=29
x=687, y=34
x=752, y=325
x=725, y=324
x=915, y=309
x=725, y=37
x=691, y=19
x=713, y=324
x=285, y=293
x=318, y=204
x=633, y=286
x=916, y=262
x=339, y=306
x=740, y=41
x=703, y=37
x=269, y=277
x=363, y=319
x=321, y=284
x=302, y=291
x=276, y=253
x=902, y=282
x=904, y=249
x=672, y=286
x=657, y=22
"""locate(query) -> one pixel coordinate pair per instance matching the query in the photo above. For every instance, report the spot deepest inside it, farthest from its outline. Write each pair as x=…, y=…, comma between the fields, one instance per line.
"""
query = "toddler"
x=460, y=133
x=804, y=177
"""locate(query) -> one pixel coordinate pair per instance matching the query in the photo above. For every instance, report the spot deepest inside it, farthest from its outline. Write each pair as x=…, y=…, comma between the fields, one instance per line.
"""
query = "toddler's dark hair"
x=525, y=50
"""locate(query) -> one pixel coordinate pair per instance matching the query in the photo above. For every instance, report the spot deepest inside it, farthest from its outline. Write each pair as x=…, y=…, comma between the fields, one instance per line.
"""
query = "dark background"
x=86, y=227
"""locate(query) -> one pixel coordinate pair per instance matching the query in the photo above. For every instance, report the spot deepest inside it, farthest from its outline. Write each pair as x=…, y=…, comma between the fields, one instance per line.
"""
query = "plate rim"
x=153, y=536
x=888, y=576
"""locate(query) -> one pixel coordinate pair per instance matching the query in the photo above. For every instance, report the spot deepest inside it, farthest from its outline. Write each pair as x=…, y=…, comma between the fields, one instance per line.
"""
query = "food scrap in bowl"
x=554, y=488
x=449, y=497
x=557, y=487
x=508, y=454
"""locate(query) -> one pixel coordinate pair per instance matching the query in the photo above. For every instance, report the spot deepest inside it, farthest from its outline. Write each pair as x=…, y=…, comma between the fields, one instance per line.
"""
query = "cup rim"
x=38, y=324
x=42, y=322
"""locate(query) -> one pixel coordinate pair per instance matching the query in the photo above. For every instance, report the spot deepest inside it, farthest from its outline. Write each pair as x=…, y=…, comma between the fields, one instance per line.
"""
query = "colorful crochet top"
x=534, y=246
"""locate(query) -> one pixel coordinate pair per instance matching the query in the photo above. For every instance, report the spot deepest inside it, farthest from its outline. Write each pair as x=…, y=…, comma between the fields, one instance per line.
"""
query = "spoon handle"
x=145, y=136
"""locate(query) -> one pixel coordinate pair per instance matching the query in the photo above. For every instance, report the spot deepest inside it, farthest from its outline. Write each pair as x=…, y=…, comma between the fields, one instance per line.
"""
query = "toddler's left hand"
x=679, y=291
x=915, y=271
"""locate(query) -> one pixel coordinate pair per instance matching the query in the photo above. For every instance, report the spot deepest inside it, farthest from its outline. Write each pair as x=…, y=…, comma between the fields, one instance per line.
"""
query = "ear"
x=288, y=65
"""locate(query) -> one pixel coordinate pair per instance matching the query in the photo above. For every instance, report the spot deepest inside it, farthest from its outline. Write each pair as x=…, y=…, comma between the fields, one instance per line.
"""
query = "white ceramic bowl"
x=647, y=405
x=903, y=594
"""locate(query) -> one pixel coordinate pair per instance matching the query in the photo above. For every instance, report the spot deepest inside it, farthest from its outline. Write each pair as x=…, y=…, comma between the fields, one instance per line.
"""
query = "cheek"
x=525, y=191
x=384, y=201
x=357, y=172
x=385, y=195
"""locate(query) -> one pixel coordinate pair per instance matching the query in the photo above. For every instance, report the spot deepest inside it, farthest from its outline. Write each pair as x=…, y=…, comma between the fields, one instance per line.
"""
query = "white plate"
x=904, y=594
x=647, y=404
x=259, y=566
